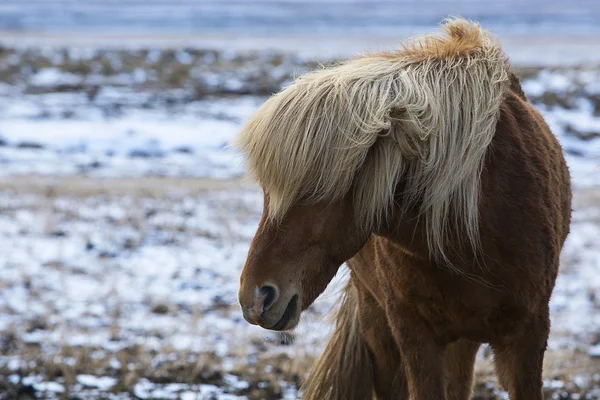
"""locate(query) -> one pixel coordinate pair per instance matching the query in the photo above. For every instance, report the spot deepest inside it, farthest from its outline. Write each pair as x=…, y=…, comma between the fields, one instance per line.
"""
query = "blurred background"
x=125, y=219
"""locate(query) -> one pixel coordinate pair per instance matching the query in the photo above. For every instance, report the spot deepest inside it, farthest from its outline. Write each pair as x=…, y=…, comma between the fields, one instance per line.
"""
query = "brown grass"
x=139, y=186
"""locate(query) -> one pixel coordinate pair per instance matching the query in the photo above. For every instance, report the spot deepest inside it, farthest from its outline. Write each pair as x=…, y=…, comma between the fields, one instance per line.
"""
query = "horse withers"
x=429, y=173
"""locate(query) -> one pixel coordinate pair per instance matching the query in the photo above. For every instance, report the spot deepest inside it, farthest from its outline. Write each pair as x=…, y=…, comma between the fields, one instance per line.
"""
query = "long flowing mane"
x=425, y=113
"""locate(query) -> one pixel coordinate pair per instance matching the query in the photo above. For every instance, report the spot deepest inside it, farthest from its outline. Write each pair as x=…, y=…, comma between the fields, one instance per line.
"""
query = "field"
x=125, y=221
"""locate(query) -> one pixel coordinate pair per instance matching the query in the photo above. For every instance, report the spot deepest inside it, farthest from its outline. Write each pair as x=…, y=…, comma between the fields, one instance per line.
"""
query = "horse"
x=429, y=174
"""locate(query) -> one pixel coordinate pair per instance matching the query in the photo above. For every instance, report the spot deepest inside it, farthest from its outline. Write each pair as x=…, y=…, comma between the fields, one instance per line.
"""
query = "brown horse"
x=428, y=172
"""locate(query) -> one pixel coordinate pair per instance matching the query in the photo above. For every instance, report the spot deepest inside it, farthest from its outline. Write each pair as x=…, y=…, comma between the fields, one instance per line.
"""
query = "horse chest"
x=453, y=305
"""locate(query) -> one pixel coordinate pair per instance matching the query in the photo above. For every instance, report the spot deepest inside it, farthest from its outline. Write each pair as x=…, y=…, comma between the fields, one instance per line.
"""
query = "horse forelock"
x=426, y=112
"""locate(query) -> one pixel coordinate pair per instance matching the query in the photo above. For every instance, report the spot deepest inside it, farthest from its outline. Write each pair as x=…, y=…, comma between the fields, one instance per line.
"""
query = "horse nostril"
x=271, y=295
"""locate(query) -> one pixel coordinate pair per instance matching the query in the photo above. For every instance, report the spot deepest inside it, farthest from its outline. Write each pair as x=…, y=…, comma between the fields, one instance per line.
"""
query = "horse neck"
x=403, y=228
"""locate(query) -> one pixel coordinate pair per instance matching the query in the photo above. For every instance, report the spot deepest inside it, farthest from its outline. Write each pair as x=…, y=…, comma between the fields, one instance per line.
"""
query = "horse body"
x=521, y=208
x=416, y=312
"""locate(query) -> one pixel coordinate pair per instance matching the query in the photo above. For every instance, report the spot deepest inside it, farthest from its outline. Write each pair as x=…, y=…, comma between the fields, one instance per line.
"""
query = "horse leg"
x=422, y=355
x=460, y=362
x=519, y=359
x=388, y=375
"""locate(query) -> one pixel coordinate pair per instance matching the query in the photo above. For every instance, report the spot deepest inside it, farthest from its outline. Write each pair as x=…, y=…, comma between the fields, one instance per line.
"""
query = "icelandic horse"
x=429, y=173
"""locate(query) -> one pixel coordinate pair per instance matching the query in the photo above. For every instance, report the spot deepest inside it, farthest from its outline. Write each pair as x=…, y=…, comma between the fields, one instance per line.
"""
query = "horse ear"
x=515, y=85
x=397, y=114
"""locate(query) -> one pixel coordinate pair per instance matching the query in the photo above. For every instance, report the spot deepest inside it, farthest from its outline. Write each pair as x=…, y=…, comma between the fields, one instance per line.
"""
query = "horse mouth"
x=289, y=313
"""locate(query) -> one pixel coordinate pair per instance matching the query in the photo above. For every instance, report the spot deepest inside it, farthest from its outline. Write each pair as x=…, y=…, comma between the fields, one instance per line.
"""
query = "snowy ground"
x=189, y=141
x=118, y=272
x=125, y=221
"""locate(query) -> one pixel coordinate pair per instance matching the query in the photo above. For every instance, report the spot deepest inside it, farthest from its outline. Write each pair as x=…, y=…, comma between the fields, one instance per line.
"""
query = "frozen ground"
x=125, y=272
x=125, y=220
x=59, y=134
x=119, y=131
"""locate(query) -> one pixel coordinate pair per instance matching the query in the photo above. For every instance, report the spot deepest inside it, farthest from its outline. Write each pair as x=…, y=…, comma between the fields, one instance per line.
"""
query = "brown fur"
x=421, y=321
x=466, y=41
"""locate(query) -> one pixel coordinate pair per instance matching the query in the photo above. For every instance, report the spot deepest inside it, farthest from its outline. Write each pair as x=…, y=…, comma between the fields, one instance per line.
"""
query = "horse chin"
x=290, y=325
x=290, y=317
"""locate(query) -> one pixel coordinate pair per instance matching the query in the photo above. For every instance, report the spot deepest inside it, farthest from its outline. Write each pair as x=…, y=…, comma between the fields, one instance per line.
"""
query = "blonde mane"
x=425, y=113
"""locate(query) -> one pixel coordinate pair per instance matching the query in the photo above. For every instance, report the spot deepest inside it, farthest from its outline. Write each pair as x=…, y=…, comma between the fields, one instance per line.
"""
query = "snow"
x=103, y=382
x=594, y=351
x=546, y=81
x=101, y=273
x=54, y=77
x=49, y=387
x=141, y=142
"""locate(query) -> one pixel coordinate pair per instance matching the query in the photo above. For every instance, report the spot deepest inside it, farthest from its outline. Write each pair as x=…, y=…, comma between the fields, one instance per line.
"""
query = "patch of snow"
x=235, y=382
x=101, y=382
x=54, y=77
x=594, y=351
x=49, y=387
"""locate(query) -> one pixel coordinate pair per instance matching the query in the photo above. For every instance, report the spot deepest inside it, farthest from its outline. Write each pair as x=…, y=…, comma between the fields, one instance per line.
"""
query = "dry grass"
x=81, y=186
x=130, y=365
x=84, y=186
x=567, y=374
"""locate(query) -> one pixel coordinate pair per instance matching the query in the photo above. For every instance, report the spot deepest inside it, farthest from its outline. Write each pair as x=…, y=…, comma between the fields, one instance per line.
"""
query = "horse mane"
x=426, y=113
x=345, y=368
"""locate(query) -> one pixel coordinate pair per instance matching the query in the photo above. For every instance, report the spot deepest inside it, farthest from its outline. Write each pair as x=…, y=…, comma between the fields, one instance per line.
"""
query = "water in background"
x=295, y=16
